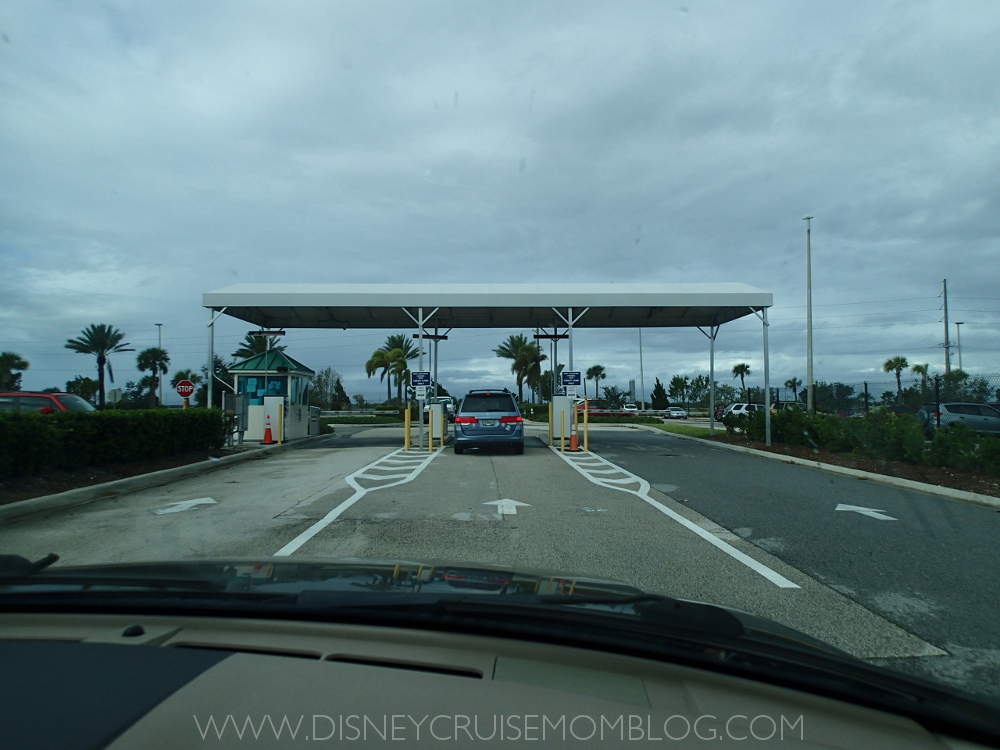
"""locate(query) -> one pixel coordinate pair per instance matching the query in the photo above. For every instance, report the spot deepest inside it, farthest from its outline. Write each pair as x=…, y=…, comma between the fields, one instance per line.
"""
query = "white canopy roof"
x=607, y=305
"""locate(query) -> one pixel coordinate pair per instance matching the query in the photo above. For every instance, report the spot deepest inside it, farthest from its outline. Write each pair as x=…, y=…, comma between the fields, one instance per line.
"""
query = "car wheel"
x=519, y=449
x=923, y=418
x=459, y=450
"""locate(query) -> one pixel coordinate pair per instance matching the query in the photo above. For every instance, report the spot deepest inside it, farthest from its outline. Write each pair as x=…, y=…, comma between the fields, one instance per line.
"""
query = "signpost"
x=184, y=389
x=420, y=382
x=570, y=382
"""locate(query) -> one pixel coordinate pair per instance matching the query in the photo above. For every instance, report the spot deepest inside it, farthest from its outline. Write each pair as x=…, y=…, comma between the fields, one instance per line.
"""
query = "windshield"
x=737, y=343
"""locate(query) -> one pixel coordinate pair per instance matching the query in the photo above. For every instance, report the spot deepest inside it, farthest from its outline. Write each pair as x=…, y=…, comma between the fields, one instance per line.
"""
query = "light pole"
x=810, y=406
x=159, y=345
x=958, y=336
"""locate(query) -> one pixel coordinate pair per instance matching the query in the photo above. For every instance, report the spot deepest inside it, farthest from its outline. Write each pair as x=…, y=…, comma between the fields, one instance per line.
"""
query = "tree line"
x=102, y=341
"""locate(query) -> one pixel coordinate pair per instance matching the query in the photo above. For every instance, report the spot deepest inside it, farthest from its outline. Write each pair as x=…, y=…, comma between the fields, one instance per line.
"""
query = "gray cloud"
x=154, y=152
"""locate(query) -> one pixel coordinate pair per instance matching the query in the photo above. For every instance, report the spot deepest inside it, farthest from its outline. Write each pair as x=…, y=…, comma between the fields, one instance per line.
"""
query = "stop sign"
x=185, y=388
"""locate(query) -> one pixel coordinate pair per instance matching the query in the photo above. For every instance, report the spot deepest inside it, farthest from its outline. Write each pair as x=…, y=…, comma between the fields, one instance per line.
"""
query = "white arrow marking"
x=185, y=505
x=870, y=512
x=507, y=507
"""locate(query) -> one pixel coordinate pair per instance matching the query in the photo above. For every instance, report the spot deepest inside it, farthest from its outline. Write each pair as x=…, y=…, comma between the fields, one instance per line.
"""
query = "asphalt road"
x=933, y=571
x=667, y=515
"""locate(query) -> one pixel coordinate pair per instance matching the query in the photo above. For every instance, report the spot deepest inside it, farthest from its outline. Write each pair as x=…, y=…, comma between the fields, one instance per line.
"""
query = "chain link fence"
x=907, y=395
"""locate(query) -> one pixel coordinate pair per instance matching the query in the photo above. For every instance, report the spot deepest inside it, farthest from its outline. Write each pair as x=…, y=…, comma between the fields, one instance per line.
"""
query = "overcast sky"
x=151, y=152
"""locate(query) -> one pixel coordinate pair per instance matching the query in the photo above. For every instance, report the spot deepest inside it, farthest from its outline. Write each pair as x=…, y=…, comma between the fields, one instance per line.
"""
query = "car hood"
x=359, y=581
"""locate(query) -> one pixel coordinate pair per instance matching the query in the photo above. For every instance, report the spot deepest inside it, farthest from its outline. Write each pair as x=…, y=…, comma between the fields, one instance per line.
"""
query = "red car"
x=43, y=403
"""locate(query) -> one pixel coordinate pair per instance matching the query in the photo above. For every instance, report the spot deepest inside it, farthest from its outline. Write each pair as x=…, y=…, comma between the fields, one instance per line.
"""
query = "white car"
x=737, y=409
x=675, y=412
x=630, y=407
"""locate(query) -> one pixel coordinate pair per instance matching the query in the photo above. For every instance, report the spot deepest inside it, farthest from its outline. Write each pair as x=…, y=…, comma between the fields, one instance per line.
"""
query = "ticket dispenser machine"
x=438, y=416
x=562, y=418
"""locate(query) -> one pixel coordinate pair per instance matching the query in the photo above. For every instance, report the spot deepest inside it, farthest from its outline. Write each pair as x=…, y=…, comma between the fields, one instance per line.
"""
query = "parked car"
x=977, y=417
x=675, y=412
x=737, y=409
x=488, y=417
x=43, y=403
x=785, y=406
x=631, y=408
x=720, y=412
x=449, y=404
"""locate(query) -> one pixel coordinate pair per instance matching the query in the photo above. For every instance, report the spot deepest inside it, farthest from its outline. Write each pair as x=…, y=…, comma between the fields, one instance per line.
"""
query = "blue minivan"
x=488, y=418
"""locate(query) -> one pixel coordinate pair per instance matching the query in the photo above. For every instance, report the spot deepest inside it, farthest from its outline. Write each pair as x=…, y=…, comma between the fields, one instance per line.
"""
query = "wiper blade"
x=14, y=566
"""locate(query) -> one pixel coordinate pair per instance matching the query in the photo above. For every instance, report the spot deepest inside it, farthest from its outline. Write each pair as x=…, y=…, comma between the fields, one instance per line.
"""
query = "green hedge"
x=35, y=443
x=544, y=417
x=879, y=434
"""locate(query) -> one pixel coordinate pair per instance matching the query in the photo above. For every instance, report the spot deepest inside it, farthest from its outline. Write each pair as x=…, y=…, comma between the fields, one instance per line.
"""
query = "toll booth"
x=264, y=379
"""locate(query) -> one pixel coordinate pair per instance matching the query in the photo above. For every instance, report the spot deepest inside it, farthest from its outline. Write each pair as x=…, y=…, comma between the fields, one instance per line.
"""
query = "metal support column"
x=642, y=377
x=571, y=339
x=713, y=332
x=211, y=357
x=570, y=320
x=767, y=383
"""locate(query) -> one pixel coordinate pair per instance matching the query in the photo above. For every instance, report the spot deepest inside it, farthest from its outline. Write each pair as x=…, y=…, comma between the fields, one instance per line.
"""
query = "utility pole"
x=958, y=337
x=947, y=345
x=810, y=405
x=159, y=344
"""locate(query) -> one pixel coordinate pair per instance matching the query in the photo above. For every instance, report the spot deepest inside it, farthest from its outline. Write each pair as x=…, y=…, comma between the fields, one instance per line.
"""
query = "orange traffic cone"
x=268, y=439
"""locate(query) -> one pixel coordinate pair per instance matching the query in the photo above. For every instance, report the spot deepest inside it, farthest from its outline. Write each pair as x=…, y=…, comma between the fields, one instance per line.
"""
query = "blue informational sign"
x=420, y=378
x=571, y=378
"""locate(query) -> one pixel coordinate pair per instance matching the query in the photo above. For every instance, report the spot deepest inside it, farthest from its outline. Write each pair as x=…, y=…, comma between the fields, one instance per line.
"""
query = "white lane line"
x=359, y=492
x=643, y=492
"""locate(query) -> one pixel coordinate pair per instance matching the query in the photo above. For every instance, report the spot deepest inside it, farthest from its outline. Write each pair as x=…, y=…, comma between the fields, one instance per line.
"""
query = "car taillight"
x=936, y=414
x=465, y=420
x=509, y=420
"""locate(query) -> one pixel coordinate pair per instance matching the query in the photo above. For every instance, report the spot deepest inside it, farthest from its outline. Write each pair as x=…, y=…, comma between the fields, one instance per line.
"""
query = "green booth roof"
x=270, y=362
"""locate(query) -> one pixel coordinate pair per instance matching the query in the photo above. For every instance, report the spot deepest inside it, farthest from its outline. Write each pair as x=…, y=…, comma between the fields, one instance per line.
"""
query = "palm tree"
x=527, y=367
x=510, y=348
x=157, y=361
x=400, y=371
x=922, y=371
x=597, y=374
x=253, y=345
x=380, y=361
x=897, y=365
x=100, y=340
x=794, y=384
x=533, y=359
x=514, y=349
x=180, y=375
x=400, y=341
x=741, y=370
x=9, y=362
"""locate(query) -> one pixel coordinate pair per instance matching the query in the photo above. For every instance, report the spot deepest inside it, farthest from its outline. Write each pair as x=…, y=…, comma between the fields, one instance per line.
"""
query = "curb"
x=83, y=495
x=974, y=498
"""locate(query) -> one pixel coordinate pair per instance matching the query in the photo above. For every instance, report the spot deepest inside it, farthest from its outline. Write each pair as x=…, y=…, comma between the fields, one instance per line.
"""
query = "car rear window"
x=486, y=403
x=74, y=403
x=989, y=411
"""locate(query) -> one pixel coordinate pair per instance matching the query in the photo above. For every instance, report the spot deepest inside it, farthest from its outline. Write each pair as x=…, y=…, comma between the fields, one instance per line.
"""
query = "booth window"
x=254, y=387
